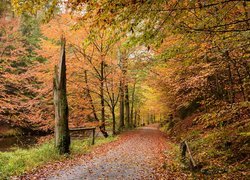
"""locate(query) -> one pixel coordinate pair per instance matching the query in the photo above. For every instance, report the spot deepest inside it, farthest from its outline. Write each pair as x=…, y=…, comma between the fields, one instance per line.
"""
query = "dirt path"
x=136, y=157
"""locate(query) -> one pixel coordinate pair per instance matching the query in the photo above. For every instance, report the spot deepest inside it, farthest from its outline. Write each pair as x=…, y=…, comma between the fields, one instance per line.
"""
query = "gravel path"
x=135, y=158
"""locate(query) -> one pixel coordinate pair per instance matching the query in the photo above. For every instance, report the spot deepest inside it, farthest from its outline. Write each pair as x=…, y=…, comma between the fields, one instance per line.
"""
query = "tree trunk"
x=148, y=118
x=102, y=95
x=113, y=118
x=89, y=96
x=62, y=136
x=121, y=100
x=232, y=93
x=240, y=80
x=138, y=117
x=135, y=118
x=230, y=78
x=127, y=110
x=132, y=105
x=121, y=124
x=102, y=126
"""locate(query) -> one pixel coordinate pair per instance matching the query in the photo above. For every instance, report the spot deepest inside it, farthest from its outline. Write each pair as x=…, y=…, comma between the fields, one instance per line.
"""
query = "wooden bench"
x=85, y=129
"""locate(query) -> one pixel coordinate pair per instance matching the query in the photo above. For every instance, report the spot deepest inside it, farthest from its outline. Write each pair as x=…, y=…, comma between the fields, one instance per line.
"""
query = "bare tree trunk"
x=230, y=77
x=127, y=109
x=62, y=136
x=246, y=12
x=89, y=96
x=121, y=125
x=139, y=117
x=121, y=100
x=102, y=95
x=135, y=118
x=102, y=126
x=113, y=118
x=132, y=105
x=240, y=80
x=232, y=94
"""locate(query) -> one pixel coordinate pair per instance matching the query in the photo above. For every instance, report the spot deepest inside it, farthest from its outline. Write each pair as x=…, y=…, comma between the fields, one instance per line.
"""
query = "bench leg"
x=93, y=138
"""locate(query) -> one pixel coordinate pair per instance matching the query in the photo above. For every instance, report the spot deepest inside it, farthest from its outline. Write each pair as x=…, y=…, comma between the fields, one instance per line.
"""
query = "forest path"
x=136, y=157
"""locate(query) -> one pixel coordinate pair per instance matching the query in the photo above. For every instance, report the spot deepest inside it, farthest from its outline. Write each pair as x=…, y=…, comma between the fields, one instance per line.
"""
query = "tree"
x=62, y=137
x=126, y=90
x=23, y=98
x=122, y=91
x=133, y=119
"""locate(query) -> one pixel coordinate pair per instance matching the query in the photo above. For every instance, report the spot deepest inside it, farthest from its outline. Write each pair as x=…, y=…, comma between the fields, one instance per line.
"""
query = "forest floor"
x=137, y=154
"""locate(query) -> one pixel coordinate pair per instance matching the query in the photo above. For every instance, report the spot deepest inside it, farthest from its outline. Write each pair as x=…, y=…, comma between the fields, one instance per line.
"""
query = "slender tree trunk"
x=246, y=65
x=232, y=94
x=230, y=77
x=127, y=109
x=132, y=105
x=240, y=81
x=121, y=125
x=121, y=99
x=113, y=118
x=62, y=136
x=218, y=92
x=102, y=95
x=246, y=12
x=90, y=97
x=148, y=118
x=139, y=117
x=102, y=126
x=135, y=118
x=126, y=100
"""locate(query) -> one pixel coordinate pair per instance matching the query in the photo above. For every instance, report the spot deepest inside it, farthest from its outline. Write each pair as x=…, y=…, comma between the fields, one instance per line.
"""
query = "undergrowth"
x=23, y=160
x=219, y=142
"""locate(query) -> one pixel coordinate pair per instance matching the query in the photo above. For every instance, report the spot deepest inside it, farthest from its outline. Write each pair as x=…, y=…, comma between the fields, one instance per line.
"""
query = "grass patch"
x=23, y=160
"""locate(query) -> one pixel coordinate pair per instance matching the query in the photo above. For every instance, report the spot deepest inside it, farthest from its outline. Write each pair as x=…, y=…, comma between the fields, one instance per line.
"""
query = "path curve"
x=135, y=158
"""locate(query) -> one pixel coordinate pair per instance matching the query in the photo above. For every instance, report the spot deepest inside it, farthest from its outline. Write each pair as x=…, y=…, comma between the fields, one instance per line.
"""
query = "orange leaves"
x=66, y=25
x=10, y=40
x=20, y=90
x=85, y=50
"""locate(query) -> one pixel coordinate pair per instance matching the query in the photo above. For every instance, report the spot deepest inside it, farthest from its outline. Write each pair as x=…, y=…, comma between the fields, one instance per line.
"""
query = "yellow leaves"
x=168, y=42
x=152, y=103
x=21, y=6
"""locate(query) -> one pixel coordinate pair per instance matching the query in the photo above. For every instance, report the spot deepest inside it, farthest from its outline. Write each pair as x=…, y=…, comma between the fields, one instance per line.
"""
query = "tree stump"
x=62, y=136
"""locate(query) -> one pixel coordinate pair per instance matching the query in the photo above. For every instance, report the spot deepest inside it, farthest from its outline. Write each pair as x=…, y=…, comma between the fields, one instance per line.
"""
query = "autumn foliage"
x=130, y=63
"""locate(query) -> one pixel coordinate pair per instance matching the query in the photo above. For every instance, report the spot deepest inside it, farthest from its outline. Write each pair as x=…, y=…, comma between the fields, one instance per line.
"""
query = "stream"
x=13, y=142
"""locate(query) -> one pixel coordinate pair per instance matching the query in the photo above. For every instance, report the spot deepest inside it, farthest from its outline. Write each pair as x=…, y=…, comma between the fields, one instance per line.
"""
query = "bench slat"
x=82, y=128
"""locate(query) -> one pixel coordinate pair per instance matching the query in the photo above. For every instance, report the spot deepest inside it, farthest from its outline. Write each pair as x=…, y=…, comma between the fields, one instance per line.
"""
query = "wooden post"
x=93, y=139
x=184, y=147
x=191, y=157
x=86, y=129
